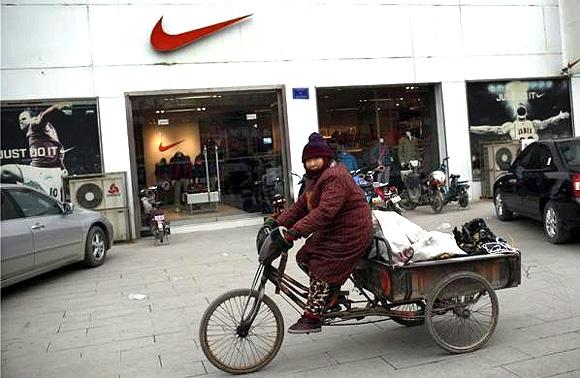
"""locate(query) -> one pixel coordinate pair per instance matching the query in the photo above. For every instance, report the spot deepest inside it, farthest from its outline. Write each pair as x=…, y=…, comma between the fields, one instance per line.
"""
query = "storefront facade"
x=291, y=66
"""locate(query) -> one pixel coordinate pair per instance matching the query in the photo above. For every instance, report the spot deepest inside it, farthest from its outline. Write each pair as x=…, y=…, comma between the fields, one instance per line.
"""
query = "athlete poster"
x=42, y=142
x=517, y=110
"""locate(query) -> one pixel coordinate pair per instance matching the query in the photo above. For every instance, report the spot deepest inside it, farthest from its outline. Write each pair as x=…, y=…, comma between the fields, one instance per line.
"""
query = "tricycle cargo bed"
x=415, y=281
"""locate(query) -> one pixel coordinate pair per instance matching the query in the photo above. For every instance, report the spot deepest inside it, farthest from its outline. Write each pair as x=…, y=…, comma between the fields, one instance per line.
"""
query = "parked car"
x=40, y=234
x=543, y=183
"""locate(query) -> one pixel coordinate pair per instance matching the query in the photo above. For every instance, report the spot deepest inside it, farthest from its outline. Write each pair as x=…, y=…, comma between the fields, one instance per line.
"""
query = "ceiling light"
x=183, y=110
x=401, y=98
x=343, y=109
x=196, y=97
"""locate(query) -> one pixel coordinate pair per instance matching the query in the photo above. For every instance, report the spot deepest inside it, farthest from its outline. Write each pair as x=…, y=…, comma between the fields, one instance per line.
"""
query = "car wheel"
x=553, y=227
x=501, y=210
x=95, y=247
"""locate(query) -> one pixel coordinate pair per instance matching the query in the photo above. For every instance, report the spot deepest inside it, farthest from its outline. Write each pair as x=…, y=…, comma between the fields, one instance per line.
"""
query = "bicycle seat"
x=454, y=176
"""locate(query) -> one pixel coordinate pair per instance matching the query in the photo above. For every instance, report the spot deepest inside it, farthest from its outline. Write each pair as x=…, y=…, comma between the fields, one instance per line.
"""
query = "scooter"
x=380, y=196
x=417, y=190
x=456, y=191
x=158, y=224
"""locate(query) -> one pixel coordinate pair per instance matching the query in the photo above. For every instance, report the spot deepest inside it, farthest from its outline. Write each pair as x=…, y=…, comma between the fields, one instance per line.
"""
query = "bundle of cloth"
x=406, y=242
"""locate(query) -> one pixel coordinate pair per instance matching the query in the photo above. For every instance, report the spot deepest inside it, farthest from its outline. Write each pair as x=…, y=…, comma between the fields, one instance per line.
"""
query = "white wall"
x=100, y=48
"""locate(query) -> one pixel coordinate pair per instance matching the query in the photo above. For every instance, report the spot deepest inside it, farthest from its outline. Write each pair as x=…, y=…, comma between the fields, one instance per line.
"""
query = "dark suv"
x=543, y=183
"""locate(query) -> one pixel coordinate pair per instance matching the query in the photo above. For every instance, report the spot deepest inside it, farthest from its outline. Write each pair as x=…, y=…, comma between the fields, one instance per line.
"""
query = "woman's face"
x=314, y=164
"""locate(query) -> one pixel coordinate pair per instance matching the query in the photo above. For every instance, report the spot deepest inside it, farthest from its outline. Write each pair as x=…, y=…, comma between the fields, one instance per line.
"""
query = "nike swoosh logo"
x=539, y=95
x=163, y=148
x=162, y=41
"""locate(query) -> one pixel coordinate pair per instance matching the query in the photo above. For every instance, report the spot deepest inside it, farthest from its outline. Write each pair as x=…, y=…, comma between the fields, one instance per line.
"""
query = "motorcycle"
x=380, y=196
x=151, y=207
x=417, y=190
x=455, y=192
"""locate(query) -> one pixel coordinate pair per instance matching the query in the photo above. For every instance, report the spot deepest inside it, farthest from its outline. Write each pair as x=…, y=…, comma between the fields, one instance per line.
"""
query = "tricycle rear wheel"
x=416, y=315
x=234, y=347
x=462, y=312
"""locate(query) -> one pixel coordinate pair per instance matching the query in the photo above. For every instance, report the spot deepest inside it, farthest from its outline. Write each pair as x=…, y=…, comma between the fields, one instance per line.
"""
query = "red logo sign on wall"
x=163, y=41
x=163, y=148
x=113, y=190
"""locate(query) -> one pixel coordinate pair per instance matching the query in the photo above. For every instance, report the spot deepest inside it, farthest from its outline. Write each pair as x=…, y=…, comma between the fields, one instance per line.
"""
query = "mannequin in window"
x=181, y=169
x=408, y=148
x=162, y=171
x=382, y=155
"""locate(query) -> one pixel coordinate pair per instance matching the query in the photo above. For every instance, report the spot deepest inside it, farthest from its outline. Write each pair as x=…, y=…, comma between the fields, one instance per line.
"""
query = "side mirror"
x=68, y=208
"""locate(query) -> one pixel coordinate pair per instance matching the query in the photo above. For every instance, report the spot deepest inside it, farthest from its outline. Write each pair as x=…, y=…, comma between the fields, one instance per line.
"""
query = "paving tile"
x=550, y=345
x=546, y=366
x=367, y=368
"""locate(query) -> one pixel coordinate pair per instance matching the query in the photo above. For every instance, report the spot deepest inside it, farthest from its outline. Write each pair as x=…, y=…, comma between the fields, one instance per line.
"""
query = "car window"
x=570, y=152
x=9, y=210
x=541, y=158
x=523, y=159
x=35, y=204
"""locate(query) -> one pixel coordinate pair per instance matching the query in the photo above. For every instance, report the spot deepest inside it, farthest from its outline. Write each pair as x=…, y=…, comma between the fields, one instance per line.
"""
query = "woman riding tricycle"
x=242, y=330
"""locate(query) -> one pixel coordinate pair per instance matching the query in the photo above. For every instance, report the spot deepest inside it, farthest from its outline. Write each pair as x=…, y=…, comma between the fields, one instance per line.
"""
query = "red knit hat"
x=316, y=148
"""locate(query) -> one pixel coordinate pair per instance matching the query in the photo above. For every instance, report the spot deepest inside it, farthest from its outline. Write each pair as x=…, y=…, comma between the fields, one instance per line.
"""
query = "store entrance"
x=209, y=156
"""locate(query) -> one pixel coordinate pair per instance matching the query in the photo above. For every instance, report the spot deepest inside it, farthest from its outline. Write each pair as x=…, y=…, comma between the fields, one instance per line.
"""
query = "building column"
x=454, y=97
x=115, y=146
x=302, y=121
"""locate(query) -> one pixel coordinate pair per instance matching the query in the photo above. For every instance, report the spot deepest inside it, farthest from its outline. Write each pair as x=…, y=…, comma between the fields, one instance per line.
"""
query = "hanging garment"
x=348, y=160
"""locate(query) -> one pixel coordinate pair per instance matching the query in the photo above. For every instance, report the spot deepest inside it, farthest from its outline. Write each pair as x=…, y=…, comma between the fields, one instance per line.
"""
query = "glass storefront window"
x=386, y=124
x=212, y=155
x=505, y=116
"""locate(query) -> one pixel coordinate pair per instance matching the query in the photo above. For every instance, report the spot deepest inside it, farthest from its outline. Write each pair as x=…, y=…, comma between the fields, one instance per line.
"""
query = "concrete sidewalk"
x=78, y=322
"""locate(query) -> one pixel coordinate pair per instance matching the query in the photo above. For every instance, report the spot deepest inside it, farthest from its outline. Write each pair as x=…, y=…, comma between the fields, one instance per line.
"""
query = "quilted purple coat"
x=334, y=210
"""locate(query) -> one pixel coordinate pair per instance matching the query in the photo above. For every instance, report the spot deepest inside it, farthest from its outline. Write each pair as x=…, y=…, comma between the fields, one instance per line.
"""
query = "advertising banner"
x=43, y=142
x=518, y=110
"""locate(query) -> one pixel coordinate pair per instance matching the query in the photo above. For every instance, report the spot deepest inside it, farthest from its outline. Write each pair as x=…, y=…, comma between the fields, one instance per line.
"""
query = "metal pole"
x=217, y=164
x=207, y=173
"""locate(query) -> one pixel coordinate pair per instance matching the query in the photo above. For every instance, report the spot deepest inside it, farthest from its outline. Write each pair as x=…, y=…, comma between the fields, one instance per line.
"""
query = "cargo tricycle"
x=242, y=330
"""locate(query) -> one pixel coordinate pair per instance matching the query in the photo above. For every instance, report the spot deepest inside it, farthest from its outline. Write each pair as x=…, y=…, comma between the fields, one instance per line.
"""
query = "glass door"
x=209, y=156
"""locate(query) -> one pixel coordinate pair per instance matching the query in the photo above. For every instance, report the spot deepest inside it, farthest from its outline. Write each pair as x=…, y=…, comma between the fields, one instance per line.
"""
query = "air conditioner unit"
x=497, y=158
x=106, y=194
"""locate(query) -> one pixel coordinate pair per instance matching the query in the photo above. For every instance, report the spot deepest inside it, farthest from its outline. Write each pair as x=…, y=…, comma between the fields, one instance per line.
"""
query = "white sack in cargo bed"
x=401, y=234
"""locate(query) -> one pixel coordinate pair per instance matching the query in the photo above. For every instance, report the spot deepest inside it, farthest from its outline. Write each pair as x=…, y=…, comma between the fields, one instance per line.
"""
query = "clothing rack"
x=211, y=197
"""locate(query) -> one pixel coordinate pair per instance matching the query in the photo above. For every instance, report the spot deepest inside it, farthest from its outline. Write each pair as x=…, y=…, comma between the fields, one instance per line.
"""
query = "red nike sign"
x=163, y=148
x=162, y=41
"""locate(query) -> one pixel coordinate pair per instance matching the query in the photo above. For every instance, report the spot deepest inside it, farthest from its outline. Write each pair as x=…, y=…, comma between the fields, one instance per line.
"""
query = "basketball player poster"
x=43, y=142
x=517, y=110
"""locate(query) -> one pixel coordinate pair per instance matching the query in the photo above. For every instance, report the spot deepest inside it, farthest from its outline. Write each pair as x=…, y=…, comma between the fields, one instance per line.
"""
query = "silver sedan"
x=40, y=234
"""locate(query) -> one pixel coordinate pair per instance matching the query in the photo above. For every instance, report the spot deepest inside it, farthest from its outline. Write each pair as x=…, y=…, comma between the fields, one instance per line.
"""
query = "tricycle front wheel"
x=232, y=344
x=462, y=312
